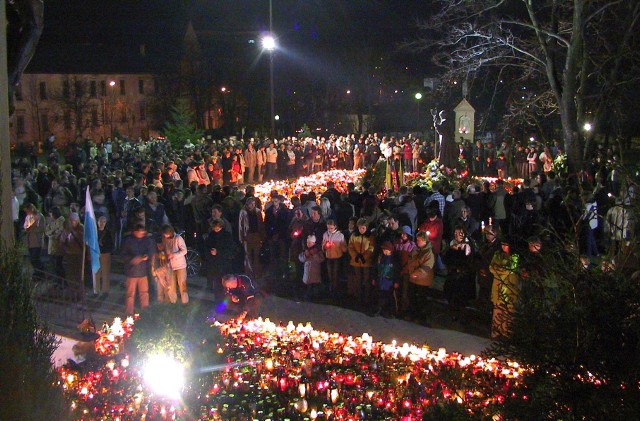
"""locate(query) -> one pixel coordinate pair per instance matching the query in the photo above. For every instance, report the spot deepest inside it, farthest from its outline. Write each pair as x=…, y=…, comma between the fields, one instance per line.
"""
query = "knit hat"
x=387, y=245
x=407, y=230
x=311, y=239
x=74, y=215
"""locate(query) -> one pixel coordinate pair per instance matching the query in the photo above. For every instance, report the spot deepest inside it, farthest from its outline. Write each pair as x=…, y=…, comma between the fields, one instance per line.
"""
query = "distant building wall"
x=94, y=106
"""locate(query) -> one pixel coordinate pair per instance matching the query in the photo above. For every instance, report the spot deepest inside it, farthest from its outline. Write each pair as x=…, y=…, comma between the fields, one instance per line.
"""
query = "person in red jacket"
x=434, y=228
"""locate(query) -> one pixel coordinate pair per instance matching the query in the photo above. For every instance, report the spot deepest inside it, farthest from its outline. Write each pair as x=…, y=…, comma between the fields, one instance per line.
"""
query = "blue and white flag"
x=91, y=233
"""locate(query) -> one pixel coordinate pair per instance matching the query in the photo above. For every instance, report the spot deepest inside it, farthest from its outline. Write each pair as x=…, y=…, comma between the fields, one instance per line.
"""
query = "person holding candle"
x=242, y=296
x=311, y=258
x=434, y=228
x=361, y=248
x=420, y=269
x=459, y=287
x=137, y=253
x=334, y=247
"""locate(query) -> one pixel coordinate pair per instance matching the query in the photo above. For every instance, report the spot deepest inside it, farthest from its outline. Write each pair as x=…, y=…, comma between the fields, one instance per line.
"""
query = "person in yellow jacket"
x=334, y=247
x=420, y=270
x=361, y=247
x=505, y=288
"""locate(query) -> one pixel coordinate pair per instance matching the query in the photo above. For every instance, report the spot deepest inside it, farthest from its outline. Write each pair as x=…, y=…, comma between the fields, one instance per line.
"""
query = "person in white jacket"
x=176, y=250
x=334, y=247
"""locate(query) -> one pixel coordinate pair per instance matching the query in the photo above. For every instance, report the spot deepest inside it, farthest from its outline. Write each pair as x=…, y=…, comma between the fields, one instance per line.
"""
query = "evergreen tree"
x=181, y=129
x=28, y=381
x=578, y=329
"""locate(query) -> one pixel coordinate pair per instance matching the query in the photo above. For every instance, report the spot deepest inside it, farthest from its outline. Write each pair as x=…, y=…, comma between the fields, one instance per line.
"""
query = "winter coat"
x=339, y=245
x=243, y=224
x=388, y=268
x=420, y=266
x=53, y=230
x=403, y=251
x=496, y=203
x=361, y=245
x=34, y=230
x=312, y=259
x=504, y=290
x=435, y=229
x=177, y=248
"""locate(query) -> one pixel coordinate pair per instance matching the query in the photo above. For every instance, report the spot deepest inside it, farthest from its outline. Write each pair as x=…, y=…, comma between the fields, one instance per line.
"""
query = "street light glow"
x=164, y=375
x=348, y=91
x=418, y=96
x=112, y=83
x=588, y=127
x=277, y=117
x=223, y=89
x=269, y=43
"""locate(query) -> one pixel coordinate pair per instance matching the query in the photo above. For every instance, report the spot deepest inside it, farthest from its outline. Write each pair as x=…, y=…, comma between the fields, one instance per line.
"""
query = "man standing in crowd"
x=137, y=253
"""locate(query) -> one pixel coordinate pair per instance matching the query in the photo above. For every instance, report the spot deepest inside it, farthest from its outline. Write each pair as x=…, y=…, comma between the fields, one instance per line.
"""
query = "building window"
x=93, y=89
x=18, y=92
x=43, y=90
x=67, y=120
x=103, y=88
x=79, y=89
x=94, y=117
x=141, y=86
x=123, y=90
x=143, y=111
x=20, y=125
x=44, y=122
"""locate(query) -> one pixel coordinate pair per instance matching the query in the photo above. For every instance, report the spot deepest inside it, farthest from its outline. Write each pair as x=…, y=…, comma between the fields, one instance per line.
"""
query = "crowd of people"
x=379, y=250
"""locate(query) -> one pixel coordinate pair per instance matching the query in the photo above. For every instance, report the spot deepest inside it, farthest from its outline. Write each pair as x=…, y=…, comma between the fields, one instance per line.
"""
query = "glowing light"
x=418, y=96
x=164, y=375
x=269, y=43
x=588, y=127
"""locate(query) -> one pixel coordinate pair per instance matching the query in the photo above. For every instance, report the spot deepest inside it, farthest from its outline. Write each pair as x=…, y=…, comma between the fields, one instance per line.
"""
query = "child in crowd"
x=387, y=283
x=312, y=259
x=420, y=269
x=361, y=247
x=334, y=247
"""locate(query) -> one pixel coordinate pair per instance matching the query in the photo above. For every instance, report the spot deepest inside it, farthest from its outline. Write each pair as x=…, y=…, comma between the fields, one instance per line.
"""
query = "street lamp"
x=418, y=97
x=269, y=44
x=587, y=127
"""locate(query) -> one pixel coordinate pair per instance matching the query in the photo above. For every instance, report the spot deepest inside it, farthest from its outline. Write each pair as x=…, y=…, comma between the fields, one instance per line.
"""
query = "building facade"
x=72, y=106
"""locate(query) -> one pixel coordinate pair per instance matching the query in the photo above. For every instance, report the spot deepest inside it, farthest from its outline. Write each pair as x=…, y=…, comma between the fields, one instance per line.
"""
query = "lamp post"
x=418, y=97
x=269, y=44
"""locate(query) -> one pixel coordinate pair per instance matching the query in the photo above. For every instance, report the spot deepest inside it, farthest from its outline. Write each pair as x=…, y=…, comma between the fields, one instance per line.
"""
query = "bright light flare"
x=418, y=96
x=588, y=127
x=164, y=375
x=269, y=43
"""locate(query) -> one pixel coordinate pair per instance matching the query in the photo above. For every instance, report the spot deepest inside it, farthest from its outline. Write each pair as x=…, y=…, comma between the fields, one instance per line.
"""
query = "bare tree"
x=573, y=50
x=76, y=104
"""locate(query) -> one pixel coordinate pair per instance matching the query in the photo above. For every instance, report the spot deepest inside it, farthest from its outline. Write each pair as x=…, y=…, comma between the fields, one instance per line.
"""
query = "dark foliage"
x=578, y=329
x=29, y=383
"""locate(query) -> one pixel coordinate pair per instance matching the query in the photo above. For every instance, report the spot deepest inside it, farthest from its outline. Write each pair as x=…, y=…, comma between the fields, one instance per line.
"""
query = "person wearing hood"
x=403, y=247
x=420, y=269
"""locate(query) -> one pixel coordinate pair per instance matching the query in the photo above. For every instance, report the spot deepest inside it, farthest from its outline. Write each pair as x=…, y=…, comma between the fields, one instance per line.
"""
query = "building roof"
x=119, y=36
